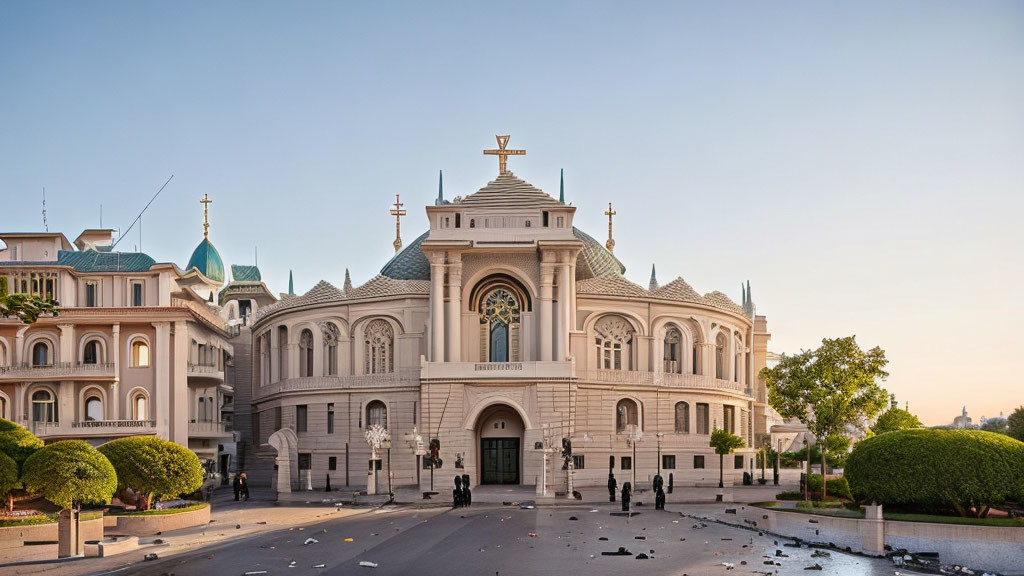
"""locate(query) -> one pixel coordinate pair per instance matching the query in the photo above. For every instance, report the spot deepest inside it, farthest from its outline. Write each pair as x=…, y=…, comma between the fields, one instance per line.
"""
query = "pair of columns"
x=445, y=313
x=556, y=272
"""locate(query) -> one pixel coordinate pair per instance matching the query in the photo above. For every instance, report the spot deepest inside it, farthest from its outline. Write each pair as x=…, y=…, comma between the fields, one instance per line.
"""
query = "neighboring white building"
x=499, y=331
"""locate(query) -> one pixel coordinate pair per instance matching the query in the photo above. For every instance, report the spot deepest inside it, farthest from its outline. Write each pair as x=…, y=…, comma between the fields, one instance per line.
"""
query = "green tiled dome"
x=207, y=260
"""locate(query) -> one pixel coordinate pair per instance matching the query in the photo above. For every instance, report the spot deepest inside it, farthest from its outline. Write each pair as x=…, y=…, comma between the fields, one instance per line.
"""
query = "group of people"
x=241, y=486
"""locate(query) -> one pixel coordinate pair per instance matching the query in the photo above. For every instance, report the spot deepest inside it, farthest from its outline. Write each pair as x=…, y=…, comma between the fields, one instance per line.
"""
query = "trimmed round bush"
x=17, y=442
x=153, y=467
x=8, y=474
x=938, y=470
x=70, y=472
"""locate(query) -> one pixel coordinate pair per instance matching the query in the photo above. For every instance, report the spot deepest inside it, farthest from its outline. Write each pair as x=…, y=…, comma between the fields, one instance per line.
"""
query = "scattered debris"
x=158, y=541
x=310, y=541
x=603, y=538
x=320, y=566
x=150, y=556
x=349, y=540
x=292, y=565
x=728, y=565
x=730, y=510
x=639, y=537
x=533, y=534
x=573, y=518
x=238, y=526
x=779, y=554
x=367, y=564
x=621, y=552
x=820, y=554
x=813, y=567
x=642, y=556
x=254, y=573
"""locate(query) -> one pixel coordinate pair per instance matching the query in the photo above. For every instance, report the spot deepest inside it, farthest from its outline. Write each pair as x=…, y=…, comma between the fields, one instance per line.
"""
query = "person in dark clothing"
x=245, y=486
x=237, y=486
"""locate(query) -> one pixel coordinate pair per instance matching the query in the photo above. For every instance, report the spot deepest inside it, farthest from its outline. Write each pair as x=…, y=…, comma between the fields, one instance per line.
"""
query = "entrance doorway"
x=499, y=460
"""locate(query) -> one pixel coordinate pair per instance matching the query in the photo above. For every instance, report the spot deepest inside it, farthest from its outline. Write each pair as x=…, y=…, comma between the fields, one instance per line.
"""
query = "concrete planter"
x=146, y=525
x=17, y=536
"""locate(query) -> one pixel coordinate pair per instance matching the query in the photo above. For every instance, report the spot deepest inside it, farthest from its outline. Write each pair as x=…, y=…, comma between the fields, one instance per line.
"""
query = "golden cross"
x=610, y=244
x=397, y=212
x=503, y=154
x=205, y=201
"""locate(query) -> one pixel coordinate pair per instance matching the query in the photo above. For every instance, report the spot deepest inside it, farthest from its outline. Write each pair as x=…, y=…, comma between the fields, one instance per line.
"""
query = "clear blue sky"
x=861, y=163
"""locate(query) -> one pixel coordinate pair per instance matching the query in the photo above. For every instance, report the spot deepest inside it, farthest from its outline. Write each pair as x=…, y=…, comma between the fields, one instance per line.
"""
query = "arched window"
x=379, y=347
x=140, y=354
x=737, y=359
x=91, y=353
x=41, y=354
x=626, y=415
x=3, y=408
x=720, y=356
x=376, y=413
x=614, y=339
x=499, y=318
x=306, y=353
x=682, y=417
x=93, y=409
x=44, y=407
x=140, y=406
x=673, y=351
x=330, y=336
x=695, y=365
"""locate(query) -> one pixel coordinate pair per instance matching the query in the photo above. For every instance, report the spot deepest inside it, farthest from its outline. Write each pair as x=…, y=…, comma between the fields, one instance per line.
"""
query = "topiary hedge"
x=153, y=467
x=17, y=442
x=70, y=472
x=8, y=474
x=966, y=471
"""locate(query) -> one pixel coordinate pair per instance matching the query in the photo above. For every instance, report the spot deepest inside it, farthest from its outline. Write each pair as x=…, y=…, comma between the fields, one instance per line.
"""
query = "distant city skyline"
x=858, y=164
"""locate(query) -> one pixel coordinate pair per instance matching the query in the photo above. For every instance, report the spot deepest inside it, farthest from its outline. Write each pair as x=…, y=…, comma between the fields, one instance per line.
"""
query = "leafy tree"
x=17, y=442
x=26, y=308
x=153, y=467
x=70, y=473
x=997, y=425
x=8, y=478
x=966, y=471
x=1015, y=424
x=895, y=419
x=829, y=388
x=723, y=443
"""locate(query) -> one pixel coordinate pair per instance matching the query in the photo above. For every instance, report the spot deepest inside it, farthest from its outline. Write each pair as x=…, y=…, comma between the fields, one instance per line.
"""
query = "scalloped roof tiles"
x=509, y=191
x=720, y=300
x=610, y=286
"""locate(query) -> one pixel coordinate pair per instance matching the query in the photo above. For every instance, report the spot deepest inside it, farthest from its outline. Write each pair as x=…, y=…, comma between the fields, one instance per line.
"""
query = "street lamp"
x=635, y=435
x=386, y=444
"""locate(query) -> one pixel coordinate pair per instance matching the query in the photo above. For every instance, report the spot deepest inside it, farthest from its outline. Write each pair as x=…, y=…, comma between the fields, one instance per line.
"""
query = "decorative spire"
x=502, y=153
x=654, y=280
x=348, y=282
x=291, y=284
x=743, y=290
x=440, y=188
x=397, y=212
x=205, y=201
x=748, y=300
x=561, y=186
x=610, y=244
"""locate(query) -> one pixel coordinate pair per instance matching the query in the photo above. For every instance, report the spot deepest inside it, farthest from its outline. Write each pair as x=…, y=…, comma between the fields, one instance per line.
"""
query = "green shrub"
x=8, y=474
x=790, y=495
x=938, y=470
x=70, y=472
x=814, y=483
x=839, y=488
x=17, y=442
x=153, y=467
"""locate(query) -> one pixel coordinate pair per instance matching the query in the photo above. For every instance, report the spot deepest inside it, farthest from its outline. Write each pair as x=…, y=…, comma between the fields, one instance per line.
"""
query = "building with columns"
x=498, y=332
x=138, y=347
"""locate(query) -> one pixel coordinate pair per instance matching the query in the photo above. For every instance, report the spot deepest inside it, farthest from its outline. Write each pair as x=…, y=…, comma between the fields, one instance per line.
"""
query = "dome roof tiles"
x=509, y=191
x=207, y=261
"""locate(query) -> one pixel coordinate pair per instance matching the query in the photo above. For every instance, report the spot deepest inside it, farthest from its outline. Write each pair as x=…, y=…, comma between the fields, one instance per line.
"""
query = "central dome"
x=206, y=260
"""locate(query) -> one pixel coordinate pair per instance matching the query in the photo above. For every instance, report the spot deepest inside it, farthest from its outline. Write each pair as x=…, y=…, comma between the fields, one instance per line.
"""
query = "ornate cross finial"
x=205, y=201
x=610, y=244
x=397, y=212
x=503, y=153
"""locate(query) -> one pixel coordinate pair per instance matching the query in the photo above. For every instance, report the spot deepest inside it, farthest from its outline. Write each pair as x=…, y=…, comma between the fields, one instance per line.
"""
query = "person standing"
x=245, y=486
x=237, y=485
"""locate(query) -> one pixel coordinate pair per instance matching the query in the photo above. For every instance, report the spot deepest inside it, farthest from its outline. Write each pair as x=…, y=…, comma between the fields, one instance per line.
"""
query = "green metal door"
x=499, y=460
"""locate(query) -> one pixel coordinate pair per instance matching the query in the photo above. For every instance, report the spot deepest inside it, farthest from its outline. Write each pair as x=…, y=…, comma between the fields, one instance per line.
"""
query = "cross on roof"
x=205, y=201
x=610, y=244
x=397, y=212
x=502, y=153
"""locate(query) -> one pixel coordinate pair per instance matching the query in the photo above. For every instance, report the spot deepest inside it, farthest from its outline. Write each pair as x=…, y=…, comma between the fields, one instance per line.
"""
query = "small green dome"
x=207, y=260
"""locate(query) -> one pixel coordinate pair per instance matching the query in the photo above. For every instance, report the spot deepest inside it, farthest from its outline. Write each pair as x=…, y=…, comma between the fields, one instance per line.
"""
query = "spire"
x=654, y=280
x=397, y=212
x=440, y=188
x=610, y=244
x=291, y=284
x=348, y=282
x=561, y=186
x=205, y=201
x=748, y=301
x=743, y=290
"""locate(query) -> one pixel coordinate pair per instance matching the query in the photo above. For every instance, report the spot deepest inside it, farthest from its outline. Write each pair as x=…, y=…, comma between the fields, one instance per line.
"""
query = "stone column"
x=114, y=357
x=67, y=344
x=161, y=362
x=179, y=408
x=437, y=307
x=544, y=309
x=572, y=295
x=454, y=309
x=19, y=404
x=872, y=531
x=707, y=359
x=19, y=347
x=564, y=283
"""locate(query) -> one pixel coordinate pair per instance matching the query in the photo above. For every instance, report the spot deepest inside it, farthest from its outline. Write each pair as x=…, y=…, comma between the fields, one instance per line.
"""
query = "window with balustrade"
x=673, y=351
x=41, y=354
x=91, y=352
x=139, y=405
x=44, y=406
x=614, y=340
x=720, y=356
x=306, y=353
x=93, y=408
x=379, y=347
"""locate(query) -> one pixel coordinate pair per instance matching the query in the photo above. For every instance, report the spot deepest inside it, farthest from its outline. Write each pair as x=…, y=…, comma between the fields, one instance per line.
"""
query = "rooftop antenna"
x=139, y=217
x=45, y=225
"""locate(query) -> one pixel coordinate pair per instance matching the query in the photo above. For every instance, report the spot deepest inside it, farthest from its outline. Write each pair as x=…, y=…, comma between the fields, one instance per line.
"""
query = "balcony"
x=205, y=374
x=205, y=429
x=662, y=379
x=53, y=372
x=496, y=371
x=360, y=381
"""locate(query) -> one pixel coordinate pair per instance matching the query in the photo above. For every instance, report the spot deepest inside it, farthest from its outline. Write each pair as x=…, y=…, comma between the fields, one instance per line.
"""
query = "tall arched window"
x=694, y=365
x=3, y=408
x=376, y=413
x=93, y=409
x=139, y=406
x=673, y=351
x=379, y=347
x=682, y=417
x=140, y=354
x=737, y=359
x=91, y=353
x=44, y=407
x=614, y=340
x=41, y=354
x=626, y=415
x=330, y=336
x=499, y=319
x=306, y=353
x=720, y=356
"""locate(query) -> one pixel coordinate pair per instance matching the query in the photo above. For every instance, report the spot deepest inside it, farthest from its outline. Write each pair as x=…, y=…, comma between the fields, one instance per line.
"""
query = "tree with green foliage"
x=997, y=425
x=895, y=419
x=17, y=443
x=8, y=478
x=966, y=471
x=1015, y=424
x=723, y=443
x=26, y=307
x=829, y=388
x=70, y=473
x=154, y=468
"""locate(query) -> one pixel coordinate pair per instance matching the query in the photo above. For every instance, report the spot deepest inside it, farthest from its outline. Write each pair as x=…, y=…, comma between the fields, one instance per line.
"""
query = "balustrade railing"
x=114, y=424
x=55, y=371
x=666, y=379
x=404, y=377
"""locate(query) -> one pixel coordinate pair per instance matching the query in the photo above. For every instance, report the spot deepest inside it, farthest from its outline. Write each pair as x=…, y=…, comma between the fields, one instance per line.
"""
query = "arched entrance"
x=500, y=444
